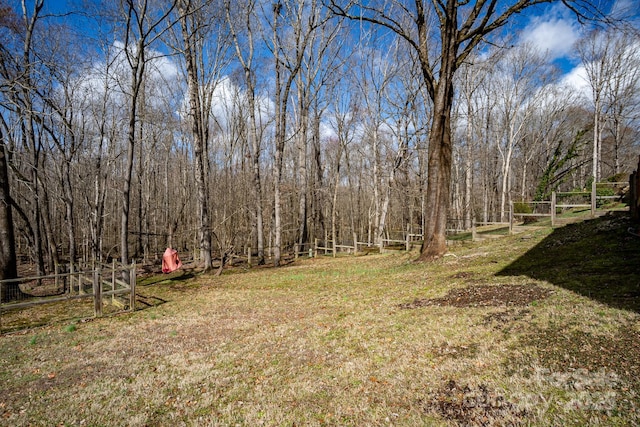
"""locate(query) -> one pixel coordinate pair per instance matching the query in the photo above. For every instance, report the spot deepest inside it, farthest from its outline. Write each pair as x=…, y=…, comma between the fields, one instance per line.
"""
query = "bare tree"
x=292, y=26
x=8, y=260
x=19, y=71
x=622, y=96
x=245, y=53
x=596, y=52
x=461, y=28
x=143, y=27
x=8, y=264
x=204, y=55
x=520, y=77
x=375, y=73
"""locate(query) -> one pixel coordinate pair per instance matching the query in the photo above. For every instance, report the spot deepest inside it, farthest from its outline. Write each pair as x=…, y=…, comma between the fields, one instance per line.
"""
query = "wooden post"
x=97, y=293
x=553, y=209
x=295, y=250
x=113, y=280
x=132, y=288
x=473, y=230
x=326, y=241
x=593, y=198
x=71, y=271
x=315, y=248
x=511, y=217
x=56, y=277
x=249, y=256
x=355, y=243
x=407, y=243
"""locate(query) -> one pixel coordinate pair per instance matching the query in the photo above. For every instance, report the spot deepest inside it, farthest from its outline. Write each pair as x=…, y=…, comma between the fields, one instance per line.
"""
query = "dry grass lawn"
x=480, y=337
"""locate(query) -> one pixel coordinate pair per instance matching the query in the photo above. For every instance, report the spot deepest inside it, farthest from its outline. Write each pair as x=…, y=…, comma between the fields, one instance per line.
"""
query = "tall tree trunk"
x=468, y=167
x=302, y=166
x=70, y=212
x=53, y=259
x=439, y=170
x=376, y=188
x=334, y=204
x=506, y=178
x=318, y=182
x=199, y=124
x=38, y=253
x=137, y=73
x=254, y=145
x=8, y=261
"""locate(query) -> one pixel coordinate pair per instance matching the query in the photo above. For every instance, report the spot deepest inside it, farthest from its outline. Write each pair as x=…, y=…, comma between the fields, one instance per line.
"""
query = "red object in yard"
x=170, y=261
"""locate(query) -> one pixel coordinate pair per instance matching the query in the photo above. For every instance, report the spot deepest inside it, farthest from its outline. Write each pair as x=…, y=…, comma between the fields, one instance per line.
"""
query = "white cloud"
x=554, y=33
x=577, y=81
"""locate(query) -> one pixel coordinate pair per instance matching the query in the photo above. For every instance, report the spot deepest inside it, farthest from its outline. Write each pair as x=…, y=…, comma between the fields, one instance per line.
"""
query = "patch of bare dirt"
x=485, y=296
x=507, y=316
x=457, y=351
x=562, y=350
x=44, y=287
x=468, y=405
x=463, y=275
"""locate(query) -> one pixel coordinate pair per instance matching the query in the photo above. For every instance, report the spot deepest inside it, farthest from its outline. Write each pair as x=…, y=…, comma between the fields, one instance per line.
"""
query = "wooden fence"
x=568, y=200
x=104, y=283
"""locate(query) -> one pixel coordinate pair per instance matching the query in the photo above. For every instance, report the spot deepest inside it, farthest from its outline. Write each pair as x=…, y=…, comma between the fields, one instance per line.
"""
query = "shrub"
x=522, y=208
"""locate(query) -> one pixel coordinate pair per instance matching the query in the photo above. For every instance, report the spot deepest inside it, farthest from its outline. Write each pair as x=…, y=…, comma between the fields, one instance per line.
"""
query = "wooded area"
x=134, y=125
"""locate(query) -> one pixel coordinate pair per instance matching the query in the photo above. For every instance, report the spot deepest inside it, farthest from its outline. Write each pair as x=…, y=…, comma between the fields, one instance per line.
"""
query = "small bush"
x=522, y=208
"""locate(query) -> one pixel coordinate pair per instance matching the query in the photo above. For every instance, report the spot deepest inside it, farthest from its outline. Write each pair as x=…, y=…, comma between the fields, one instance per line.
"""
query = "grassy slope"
x=339, y=342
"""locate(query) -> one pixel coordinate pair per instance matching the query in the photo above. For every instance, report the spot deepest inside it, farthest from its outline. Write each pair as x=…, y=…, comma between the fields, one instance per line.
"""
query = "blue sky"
x=554, y=29
x=551, y=28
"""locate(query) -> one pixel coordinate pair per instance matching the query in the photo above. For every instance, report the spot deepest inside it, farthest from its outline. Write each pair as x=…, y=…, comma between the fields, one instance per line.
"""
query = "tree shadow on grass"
x=175, y=276
x=599, y=259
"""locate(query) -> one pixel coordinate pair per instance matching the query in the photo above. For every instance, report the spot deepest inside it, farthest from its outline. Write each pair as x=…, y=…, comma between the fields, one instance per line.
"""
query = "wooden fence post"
x=249, y=256
x=474, y=235
x=71, y=271
x=315, y=248
x=56, y=275
x=511, y=217
x=295, y=250
x=97, y=293
x=593, y=198
x=553, y=209
x=113, y=281
x=132, y=288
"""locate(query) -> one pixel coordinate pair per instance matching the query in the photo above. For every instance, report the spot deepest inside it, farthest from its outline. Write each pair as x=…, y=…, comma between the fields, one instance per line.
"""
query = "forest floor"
x=540, y=328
